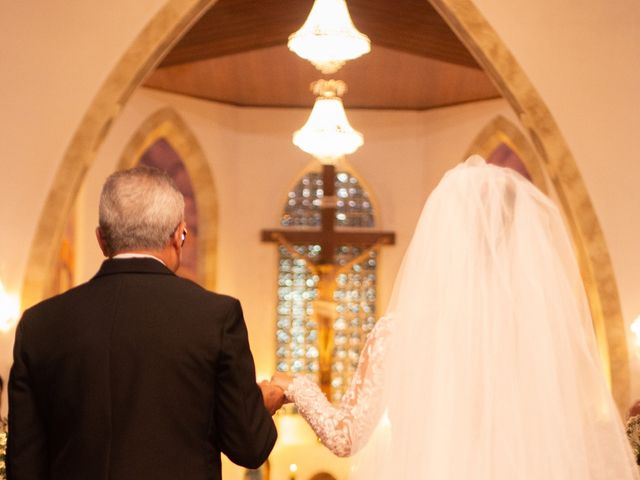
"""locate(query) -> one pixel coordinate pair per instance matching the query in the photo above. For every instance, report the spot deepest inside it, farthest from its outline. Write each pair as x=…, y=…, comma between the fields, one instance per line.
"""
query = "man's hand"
x=272, y=395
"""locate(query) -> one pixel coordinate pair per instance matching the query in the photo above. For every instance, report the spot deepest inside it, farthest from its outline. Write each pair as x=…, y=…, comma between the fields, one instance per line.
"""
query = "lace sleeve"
x=344, y=428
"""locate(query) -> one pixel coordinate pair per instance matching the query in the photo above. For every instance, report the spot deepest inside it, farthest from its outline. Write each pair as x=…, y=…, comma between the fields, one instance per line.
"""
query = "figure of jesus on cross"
x=329, y=238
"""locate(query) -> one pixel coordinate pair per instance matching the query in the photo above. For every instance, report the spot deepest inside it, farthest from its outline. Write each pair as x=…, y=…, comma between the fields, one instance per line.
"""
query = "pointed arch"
x=168, y=125
x=501, y=130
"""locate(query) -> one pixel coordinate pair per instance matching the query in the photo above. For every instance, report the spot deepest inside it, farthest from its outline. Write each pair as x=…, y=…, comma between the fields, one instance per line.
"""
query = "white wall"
x=54, y=57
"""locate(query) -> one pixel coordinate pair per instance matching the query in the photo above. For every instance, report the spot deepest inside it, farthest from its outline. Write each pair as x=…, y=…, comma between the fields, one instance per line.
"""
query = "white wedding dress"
x=485, y=366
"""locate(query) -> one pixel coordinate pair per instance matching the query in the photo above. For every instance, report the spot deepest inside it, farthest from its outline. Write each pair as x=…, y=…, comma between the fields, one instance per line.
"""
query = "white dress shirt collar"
x=122, y=256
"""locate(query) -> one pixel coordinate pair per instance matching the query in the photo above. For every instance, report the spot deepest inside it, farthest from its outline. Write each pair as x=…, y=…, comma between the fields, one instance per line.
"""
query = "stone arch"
x=491, y=53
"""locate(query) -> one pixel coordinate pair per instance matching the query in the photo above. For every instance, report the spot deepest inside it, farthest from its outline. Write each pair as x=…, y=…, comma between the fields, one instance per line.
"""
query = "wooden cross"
x=327, y=268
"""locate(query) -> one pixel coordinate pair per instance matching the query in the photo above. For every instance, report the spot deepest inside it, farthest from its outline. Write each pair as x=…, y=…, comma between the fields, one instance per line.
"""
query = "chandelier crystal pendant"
x=328, y=37
x=327, y=135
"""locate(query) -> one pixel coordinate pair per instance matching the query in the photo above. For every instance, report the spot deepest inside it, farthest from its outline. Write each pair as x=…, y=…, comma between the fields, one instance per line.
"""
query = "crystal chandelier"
x=327, y=135
x=328, y=37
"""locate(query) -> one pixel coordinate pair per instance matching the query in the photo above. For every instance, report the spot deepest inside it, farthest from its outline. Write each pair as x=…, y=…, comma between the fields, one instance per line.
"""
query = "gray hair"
x=139, y=209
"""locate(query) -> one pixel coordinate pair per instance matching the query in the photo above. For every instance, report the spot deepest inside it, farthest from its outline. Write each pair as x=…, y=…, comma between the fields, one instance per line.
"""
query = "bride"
x=485, y=365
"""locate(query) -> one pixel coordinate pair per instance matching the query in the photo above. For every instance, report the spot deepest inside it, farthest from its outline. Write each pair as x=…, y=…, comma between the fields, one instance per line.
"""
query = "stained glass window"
x=355, y=293
x=163, y=156
x=303, y=205
x=504, y=156
x=355, y=298
x=297, y=333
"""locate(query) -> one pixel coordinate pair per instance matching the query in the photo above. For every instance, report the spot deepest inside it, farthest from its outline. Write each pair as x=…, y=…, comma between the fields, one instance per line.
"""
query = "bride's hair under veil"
x=493, y=371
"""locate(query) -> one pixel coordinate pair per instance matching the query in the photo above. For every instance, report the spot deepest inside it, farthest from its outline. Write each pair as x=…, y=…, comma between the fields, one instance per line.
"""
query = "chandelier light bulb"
x=327, y=134
x=328, y=37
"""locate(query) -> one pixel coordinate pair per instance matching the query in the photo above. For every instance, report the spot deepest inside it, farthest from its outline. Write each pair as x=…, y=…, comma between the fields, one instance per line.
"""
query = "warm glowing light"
x=328, y=37
x=385, y=421
x=9, y=309
x=262, y=373
x=635, y=329
x=327, y=135
x=293, y=430
x=293, y=468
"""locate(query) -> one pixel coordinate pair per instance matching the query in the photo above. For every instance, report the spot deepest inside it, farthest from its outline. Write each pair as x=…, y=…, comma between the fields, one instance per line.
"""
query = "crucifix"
x=327, y=268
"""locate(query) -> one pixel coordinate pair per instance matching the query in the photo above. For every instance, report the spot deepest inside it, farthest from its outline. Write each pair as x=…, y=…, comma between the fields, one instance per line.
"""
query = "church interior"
x=209, y=91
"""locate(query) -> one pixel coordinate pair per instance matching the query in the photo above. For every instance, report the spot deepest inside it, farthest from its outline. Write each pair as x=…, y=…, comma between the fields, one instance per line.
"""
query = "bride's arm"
x=344, y=428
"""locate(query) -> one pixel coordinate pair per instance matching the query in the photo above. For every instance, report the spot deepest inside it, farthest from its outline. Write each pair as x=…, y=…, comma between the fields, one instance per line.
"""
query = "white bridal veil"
x=493, y=371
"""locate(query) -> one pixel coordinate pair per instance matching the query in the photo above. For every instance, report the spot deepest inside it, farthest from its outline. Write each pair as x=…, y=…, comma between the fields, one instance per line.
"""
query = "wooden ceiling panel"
x=411, y=26
x=234, y=26
x=236, y=54
x=275, y=77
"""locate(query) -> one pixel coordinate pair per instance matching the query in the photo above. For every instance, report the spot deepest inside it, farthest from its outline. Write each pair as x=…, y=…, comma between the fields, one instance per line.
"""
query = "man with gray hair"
x=137, y=374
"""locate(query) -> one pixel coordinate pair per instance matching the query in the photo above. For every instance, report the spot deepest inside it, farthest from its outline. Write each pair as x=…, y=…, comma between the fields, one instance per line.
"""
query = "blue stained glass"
x=303, y=205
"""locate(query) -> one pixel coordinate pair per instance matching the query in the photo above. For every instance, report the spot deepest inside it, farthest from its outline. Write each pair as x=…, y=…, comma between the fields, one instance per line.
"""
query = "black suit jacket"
x=137, y=374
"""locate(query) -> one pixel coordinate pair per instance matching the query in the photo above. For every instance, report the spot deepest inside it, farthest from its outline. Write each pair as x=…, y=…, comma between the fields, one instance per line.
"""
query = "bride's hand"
x=282, y=380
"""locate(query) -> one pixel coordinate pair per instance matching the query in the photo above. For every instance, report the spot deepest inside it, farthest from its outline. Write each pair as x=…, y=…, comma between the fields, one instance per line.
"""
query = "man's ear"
x=102, y=243
x=176, y=238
